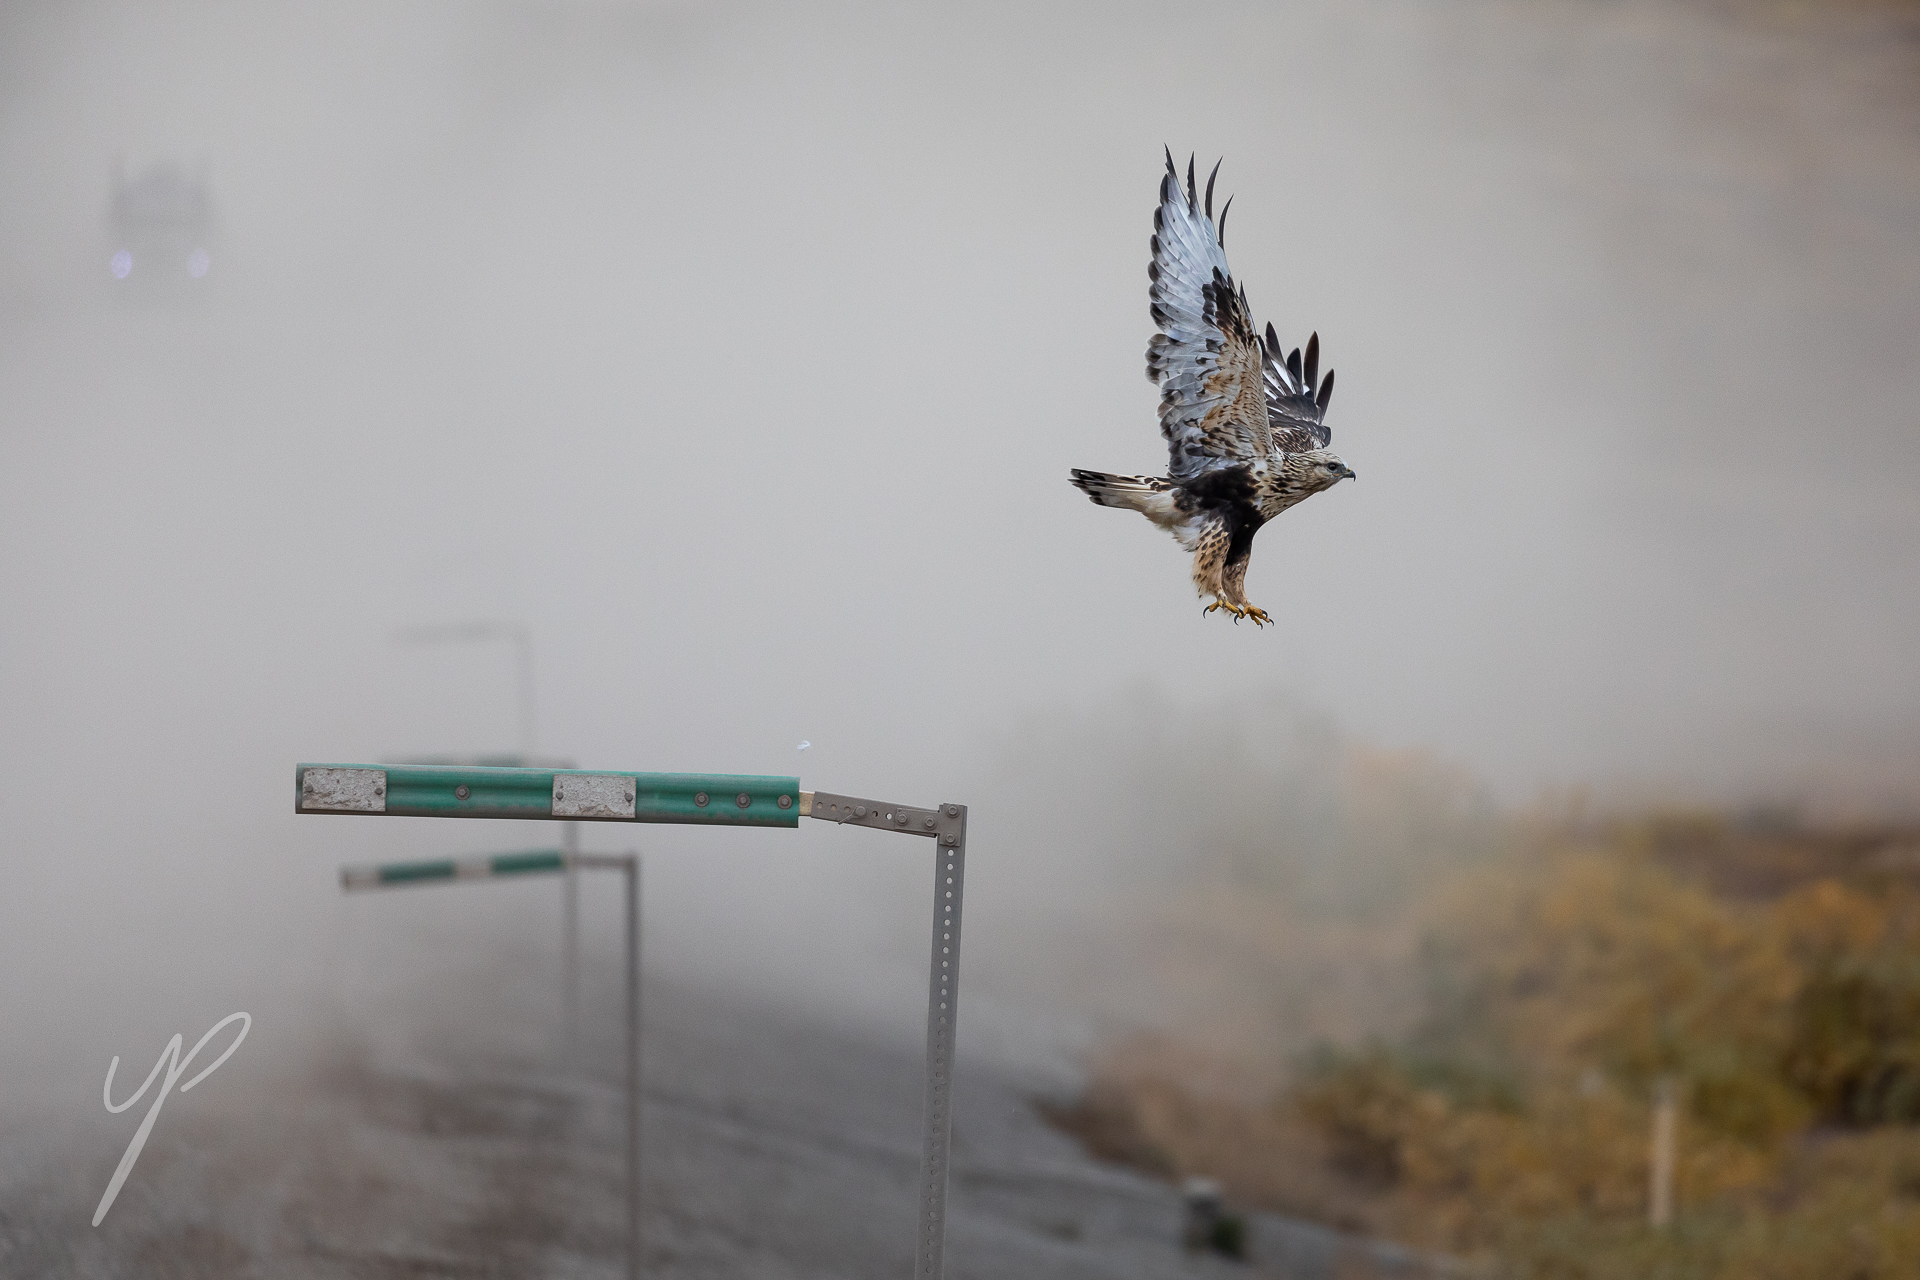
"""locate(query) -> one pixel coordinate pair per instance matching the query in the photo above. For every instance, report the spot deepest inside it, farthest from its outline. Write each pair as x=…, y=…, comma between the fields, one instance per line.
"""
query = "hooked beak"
x=1348, y=473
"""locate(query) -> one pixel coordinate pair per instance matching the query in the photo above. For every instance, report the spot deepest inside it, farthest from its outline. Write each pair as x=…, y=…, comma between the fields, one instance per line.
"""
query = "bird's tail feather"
x=1136, y=493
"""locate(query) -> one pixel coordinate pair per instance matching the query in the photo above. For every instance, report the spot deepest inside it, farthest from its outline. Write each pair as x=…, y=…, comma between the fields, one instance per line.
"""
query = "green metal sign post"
x=689, y=799
x=394, y=875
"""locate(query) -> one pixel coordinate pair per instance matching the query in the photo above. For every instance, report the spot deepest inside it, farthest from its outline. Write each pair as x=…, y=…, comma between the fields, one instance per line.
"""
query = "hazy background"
x=741, y=352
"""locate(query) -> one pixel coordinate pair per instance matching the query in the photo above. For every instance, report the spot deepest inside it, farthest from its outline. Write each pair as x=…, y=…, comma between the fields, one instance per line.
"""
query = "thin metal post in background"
x=629, y=863
x=463, y=632
x=523, y=645
x=633, y=1067
x=570, y=840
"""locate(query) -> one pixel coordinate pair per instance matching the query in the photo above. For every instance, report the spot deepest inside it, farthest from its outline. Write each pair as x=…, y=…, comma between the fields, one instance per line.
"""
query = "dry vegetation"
x=1770, y=971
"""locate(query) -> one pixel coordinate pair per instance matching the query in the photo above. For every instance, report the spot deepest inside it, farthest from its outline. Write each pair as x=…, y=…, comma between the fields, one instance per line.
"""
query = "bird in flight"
x=1244, y=420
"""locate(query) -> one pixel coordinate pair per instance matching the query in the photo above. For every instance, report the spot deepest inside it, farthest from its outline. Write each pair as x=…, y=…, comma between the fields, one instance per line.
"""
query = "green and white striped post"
x=394, y=875
x=388, y=875
x=469, y=791
x=690, y=799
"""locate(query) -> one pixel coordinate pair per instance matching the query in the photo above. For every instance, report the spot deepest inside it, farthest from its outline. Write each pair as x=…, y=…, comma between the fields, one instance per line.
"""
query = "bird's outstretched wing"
x=1207, y=356
x=1296, y=398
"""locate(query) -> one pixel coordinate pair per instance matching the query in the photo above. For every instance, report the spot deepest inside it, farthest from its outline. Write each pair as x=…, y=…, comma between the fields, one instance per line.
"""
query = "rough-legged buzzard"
x=1244, y=420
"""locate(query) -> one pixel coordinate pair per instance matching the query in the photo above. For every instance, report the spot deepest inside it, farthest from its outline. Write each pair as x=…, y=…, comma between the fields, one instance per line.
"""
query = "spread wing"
x=1296, y=408
x=1207, y=356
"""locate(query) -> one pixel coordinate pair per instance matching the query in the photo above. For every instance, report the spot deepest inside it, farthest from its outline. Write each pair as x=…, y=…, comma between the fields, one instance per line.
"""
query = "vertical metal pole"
x=571, y=933
x=523, y=641
x=633, y=1066
x=943, y=1015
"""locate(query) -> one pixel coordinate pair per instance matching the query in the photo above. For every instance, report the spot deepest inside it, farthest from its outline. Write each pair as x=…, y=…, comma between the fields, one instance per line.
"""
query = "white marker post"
x=1666, y=1119
x=691, y=799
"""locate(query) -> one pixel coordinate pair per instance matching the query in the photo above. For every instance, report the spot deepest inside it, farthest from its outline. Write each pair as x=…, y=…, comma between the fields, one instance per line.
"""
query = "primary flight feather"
x=1244, y=421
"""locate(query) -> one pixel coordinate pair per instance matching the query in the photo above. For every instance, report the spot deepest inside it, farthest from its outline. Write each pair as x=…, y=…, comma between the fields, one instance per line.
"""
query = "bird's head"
x=1325, y=469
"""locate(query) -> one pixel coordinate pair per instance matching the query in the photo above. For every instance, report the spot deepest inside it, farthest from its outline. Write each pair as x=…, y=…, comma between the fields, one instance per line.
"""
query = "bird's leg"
x=1209, y=560
x=1234, y=592
x=1258, y=614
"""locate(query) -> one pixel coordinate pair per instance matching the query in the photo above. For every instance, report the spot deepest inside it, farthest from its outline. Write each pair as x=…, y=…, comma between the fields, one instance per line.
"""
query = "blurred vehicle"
x=162, y=225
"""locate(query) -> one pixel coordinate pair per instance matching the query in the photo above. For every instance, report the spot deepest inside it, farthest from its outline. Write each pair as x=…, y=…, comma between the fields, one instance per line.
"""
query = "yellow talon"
x=1258, y=614
x=1228, y=605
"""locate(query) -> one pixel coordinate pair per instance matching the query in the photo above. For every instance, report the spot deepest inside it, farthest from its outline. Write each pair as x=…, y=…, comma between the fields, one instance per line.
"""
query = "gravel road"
x=774, y=1147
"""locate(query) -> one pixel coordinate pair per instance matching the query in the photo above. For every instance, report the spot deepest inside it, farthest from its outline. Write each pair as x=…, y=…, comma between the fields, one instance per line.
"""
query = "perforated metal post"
x=948, y=827
x=943, y=1015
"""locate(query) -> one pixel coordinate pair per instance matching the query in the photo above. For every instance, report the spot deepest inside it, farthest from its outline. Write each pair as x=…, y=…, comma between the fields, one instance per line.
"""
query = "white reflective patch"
x=593, y=795
x=344, y=791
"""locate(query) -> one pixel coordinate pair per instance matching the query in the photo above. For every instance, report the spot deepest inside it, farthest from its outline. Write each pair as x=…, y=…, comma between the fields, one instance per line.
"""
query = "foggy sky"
x=741, y=353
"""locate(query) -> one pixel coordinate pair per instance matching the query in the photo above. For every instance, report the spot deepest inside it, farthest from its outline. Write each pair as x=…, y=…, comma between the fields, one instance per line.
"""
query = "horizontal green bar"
x=531, y=862
x=434, y=791
x=519, y=864
x=402, y=872
x=675, y=797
